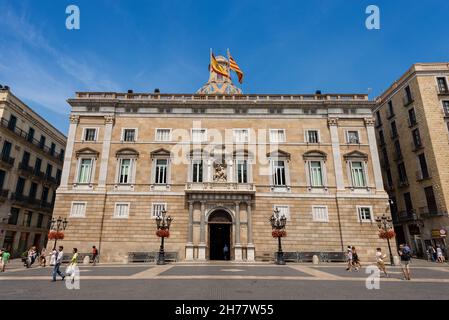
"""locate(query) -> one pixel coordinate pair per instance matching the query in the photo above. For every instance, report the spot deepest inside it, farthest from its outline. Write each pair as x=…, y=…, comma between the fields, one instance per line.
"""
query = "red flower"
x=163, y=233
x=54, y=235
x=390, y=234
x=278, y=233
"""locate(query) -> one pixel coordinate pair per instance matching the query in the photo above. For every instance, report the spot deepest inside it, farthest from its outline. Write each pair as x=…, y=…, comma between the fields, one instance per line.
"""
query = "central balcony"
x=220, y=187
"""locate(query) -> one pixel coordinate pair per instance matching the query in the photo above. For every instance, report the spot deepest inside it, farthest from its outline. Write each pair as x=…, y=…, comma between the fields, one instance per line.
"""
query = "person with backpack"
x=406, y=255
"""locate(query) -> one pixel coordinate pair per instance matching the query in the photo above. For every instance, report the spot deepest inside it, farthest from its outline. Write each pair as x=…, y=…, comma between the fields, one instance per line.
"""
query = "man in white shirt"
x=380, y=261
x=58, y=261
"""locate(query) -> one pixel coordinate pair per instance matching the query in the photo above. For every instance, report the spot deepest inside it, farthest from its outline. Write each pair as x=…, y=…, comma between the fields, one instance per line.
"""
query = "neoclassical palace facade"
x=219, y=162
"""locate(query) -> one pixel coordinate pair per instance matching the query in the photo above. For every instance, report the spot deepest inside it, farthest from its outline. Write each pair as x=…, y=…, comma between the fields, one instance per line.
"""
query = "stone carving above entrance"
x=220, y=172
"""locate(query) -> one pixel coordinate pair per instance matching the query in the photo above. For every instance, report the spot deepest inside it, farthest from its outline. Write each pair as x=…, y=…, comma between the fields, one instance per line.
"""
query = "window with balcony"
x=423, y=165
x=408, y=95
x=394, y=130
x=58, y=175
x=416, y=139
x=6, y=151
x=61, y=155
x=129, y=135
x=40, y=220
x=197, y=170
x=403, y=180
x=398, y=151
x=85, y=170
x=42, y=142
x=37, y=166
x=242, y=171
x=44, y=196
x=378, y=119
x=390, y=109
x=386, y=160
x=277, y=135
x=320, y=214
x=49, y=171
x=161, y=171
x=241, y=135
x=430, y=199
x=442, y=85
x=28, y=216
x=408, y=203
x=352, y=137
x=2, y=179
x=12, y=123
x=163, y=134
x=411, y=117
x=78, y=209
x=364, y=213
x=14, y=217
x=358, y=174
x=20, y=186
x=30, y=135
x=312, y=136
x=381, y=137
x=52, y=149
x=157, y=208
x=33, y=191
x=389, y=177
x=25, y=159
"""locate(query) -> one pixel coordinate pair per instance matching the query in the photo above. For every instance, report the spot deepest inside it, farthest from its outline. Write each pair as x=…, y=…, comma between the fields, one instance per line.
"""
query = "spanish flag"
x=217, y=68
x=233, y=66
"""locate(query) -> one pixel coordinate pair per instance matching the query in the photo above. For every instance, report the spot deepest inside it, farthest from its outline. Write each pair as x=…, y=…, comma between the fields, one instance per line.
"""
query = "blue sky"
x=282, y=46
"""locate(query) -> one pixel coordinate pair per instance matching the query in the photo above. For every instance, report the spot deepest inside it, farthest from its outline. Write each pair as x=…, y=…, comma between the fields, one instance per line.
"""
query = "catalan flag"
x=217, y=68
x=233, y=66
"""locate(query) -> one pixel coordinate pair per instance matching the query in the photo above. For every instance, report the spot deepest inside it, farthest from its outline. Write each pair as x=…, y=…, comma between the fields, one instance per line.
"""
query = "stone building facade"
x=32, y=153
x=412, y=123
x=219, y=164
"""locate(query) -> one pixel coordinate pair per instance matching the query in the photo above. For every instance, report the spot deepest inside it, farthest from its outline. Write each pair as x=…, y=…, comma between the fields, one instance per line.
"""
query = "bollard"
x=396, y=260
x=315, y=259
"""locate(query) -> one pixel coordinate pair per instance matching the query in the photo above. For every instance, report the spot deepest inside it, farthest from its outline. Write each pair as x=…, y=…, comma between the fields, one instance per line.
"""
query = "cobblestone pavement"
x=227, y=281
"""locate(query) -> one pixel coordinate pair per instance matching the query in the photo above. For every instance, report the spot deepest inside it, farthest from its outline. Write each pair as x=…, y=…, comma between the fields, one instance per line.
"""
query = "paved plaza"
x=226, y=281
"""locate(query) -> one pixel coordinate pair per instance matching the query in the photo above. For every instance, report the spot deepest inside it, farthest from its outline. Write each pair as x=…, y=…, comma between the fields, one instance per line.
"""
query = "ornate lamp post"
x=385, y=227
x=57, y=226
x=278, y=231
x=163, y=231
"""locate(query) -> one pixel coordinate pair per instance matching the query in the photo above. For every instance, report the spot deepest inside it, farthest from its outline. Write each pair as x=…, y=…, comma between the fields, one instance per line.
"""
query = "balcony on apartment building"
x=34, y=142
x=405, y=216
x=6, y=160
x=426, y=212
x=31, y=203
x=3, y=195
x=204, y=187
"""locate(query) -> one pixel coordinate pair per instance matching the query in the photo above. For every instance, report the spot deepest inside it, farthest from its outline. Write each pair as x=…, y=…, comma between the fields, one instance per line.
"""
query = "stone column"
x=249, y=229
x=237, y=245
x=369, y=123
x=109, y=122
x=74, y=120
x=336, y=155
x=189, y=245
x=202, y=244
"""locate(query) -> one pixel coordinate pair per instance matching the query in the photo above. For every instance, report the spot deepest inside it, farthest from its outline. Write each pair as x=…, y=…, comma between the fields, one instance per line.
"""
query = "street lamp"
x=278, y=223
x=163, y=227
x=58, y=225
x=384, y=224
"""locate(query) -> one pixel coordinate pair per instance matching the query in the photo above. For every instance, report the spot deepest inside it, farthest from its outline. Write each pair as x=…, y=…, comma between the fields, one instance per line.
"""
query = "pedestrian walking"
x=349, y=258
x=406, y=255
x=31, y=256
x=4, y=259
x=431, y=253
x=43, y=258
x=94, y=255
x=70, y=270
x=440, y=256
x=355, y=259
x=380, y=261
x=53, y=255
x=58, y=261
x=225, y=251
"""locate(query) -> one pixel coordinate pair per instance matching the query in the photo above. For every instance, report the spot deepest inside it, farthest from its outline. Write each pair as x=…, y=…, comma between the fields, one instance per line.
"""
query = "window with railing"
x=42, y=142
x=12, y=123
x=30, y=135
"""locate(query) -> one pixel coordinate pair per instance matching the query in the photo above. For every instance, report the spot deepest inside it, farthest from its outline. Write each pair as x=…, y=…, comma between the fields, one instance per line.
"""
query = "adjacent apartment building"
x=31, y=159
x=219, y=162
x=412, y=124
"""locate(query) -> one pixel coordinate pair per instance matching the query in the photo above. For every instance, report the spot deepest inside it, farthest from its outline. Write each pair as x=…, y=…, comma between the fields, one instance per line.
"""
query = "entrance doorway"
x=220, y=224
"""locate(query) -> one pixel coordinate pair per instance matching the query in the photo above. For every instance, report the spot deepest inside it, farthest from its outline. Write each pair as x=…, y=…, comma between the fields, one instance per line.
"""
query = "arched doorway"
x=220, y=223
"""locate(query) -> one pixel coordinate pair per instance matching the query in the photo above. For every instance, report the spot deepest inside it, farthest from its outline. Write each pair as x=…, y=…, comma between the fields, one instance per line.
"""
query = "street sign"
x=443, y=232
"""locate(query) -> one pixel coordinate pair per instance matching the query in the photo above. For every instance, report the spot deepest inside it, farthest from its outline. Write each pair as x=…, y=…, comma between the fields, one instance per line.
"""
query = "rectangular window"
x=2, y=179
x=385, y=157
x=33, y=191
x=90, y=134
x=197, y=171
x=58, y=175
x=408, y=95
x=124, y=171
x=378, y=119
x=279, y=173
x=431, y=202
x=277, y=135
x=390, y=109
x=397, y=148
x=121, y=210
x=320, y=214
x=61, y=155
x=199, y=135
x=364, y=214
x=423, y=165
x=85, y=170
x=389, y=177
x=6, y=151
x=78, y=210
x=402, y=173
x=42, y=142
x=242, y=171
x=312, y=136
x=446, y=107
x=352, y=136
x=129, y=135
x=416, y=138
x=163, y=134
x=157, y=209
x=49, y=171
x=44, y=196
x=52, y=149
x=30, y=135
x=381, y=137
x=40, y=219
x=161, y=171
x=316, y=174
x=241, y=135
x=358, y=174
x=411, y=117
x=26, y=159
x=20, y=186
x=442, y=85
x=283, y=211
x=394, y=130
x=12, y=123
x=14, y=217
x=27, y=218
x=37, y=166
x=408, y=203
